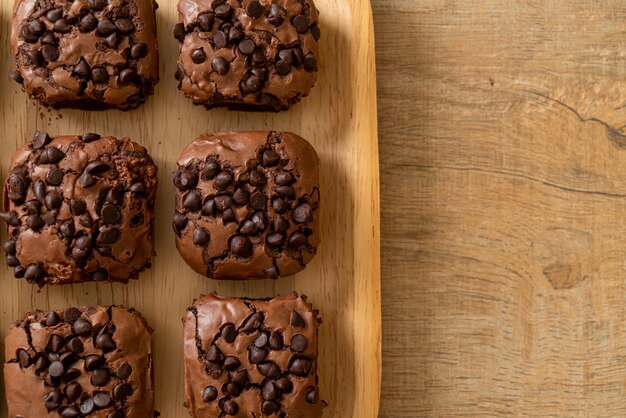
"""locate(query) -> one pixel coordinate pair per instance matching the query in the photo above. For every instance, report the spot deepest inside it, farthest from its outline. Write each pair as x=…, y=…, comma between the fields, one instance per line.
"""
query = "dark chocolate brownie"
x=89, y=54
x=79, y=208
x=247, y=205
x=252, y=358
x=250, y=55
x=89, y=362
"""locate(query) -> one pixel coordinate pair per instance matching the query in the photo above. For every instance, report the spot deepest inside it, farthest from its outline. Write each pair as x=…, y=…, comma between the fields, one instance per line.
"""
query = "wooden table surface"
x=503, y=179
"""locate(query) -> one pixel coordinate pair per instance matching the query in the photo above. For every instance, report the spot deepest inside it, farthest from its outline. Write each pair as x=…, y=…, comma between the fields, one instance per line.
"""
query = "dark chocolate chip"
x=101, y=399
x=56, y=369
x=303, y=213
x=312, y=396
x=33, y=273
x=300, y=366
x=258, y=220
x=82, y=327
x=210, y=170
x=209, y=394
x=223, y=180
x=138, y=188
x=269, y=370
x=257, y=178
x=23, y=358
x=214, y=354
x=209, y=207
x=53, y=400
x=258, y=200
x=48, y=39
x=241, y=378
x=105, y=27
x=280, y=223
x=105, y=342
x=252, y=322
x=86, y=406
x=198, y=56
x=270, y=158
x=124, y=371
x=201, y=237
x=36, y=27
x=286, y=55
x=231, y=363
x=113, y=40
x=111, y=215
x=115, y=197
x=179, y=32
x=13, y=261
x=241, y=246
x=262, y=340
x=54, y=14
x=125, y=25
x=275, y=239
x=254, y=9
x=223, y=11
x=248, y=228
x=138, y=50
x=97, y=4
x=219, y=40
x=315, y=31
x=93, y=361
x=241, y=197
x=298, y=343
x=235, y=34
x=61, y=26
x=73, y=390
x=86, y=180
x=50, y=52
x=222, y=203
x=68, y=229
x=276, y=341
x=17, y=76
x=127, y=75
x=75, y=345
x=10, y=218
x=71, y=374
x=269, y=391
x=193, y=201
x=282, y=68
x=9, y=247
x=270, y=407
x=53, y=200
x=220, y=65
x=54, y=176
x=35, y=58
x=78, y=206
x=34, y=206
x=40, y=139
x=231, y=389
x=257, y=355
x=297, y=240
x=51, y=155
x=52, y=319
x=88, y=23
x=82, y=69
x=301, y=23
x=100, y=377
x=19, y=272
x=310, y=62
x=185, y=180
x=28, y=35
x=180, y=222
x=99, y=75
x=229, y=406
x=276, y=14
x=70, y=315
x=296, y=320
x=247, y=46
x=54, y=382
x=206, y=21
x=284, y=384
x=229, y=333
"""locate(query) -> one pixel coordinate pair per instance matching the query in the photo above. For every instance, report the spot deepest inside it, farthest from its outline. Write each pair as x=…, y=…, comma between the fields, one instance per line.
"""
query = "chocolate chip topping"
x=250, y=213
x=74, y=212
x=78, y=382
x=67, y=66
x=253, y=369
x=251, y=55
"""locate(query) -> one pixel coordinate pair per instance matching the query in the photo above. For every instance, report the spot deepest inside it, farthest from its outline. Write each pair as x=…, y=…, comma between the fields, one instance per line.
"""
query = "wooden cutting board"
x=343, y=281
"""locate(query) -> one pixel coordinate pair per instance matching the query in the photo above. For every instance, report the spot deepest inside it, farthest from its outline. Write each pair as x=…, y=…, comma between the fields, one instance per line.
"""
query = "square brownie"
x=249, y=55
x=247, y=357
x=87, y=54
x=247, y=205
x=94, y=362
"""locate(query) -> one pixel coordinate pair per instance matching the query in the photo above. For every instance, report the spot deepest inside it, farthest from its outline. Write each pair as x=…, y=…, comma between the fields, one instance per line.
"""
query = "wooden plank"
x=343, y=281
x=503, y=187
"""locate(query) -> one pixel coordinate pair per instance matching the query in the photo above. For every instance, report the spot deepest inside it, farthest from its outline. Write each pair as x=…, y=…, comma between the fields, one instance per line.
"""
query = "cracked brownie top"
x=79, y=208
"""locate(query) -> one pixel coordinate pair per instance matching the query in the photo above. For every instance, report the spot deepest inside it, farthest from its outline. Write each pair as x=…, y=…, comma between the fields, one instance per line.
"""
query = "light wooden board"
x=503, y=178
x=343, y=281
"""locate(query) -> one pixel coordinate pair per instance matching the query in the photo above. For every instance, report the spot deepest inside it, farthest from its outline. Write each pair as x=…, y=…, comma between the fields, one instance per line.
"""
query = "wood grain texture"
x=503, y=178
x=343, y=281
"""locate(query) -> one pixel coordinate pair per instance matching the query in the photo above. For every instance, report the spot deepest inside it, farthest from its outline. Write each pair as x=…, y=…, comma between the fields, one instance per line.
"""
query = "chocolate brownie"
x=79, y=208
x=88, y=54
x=250, y=55
x=247, y=205
x=252, y=358
x=89, y=362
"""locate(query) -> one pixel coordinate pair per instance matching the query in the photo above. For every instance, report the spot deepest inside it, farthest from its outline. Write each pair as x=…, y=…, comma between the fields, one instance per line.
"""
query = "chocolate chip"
x=241, y=197
x=248, y=228
x=315, y=31
x=99, y=75
x=50, y=52
x=223, y=11
x=193, y=201
x=286, y=55
x=13, y=261
x=53, y=400
x=100, y=377
x=71, y=374
x=296, y=320
x=75, y=345
x=53, y=200
x=9, y=247
x=86, y=180
x=113, y=40
x=82, y=327
x=310, y=62
x=231, y=389
x=276, y=14
x=209, y=207
x=54, y=176
x=303, y=213
x=101, y=399
x=231, y=363
x=257, y=178
x=180, y=222
x=198, y=56
x=229, y=332
x=275, y=239
x=252, y=322
x=73, y=390
x=214, y=354
x=201, y=237
x=105, y=27
x=185, y=180
x=247, y=46
x=220, y=65
x=111, y=214
x=28, y=35
x=35, y=222
x=280, y=223
x=282, y=68
x=68, y=229
x=206, y=21
x=270, y=407
x=71, y=315
x=36, y=27
x=54, y=382
x=48, y=39
x=262, y=340
x=93, y=361
x=220, y=40
x=10, y=218
x=35, y=58
x=61, y=26
x=124, y=371
x=138, y=188
x=260, y=73
x=298, y=343
x=257, y=355
x=127, y=76
x=82, y=69
x=210, y=170
x=125, y=25
x=138, y=50
x=222, y=203
x=297, y=240
x=254, y=9
x=229, y=406
x=241, y=378
x=78, y=206
x=54, y=14
x=179, y=32
x=23, y=358
x=284, y=384
x=258, y=200
x=258, y=220
x=51, y=155
x=56, y=369
x=235, y=34
x=86, y=406
x=105, y=342
x=269, y=370
x=301, y=23
x=88, y=23
x=40, y=139
x=300, y=366
x=209, y=394
x=97, y=4
x=241, y=246
x=276, y=341
x=223, y=180
x=270, y=158
x=17, y=76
